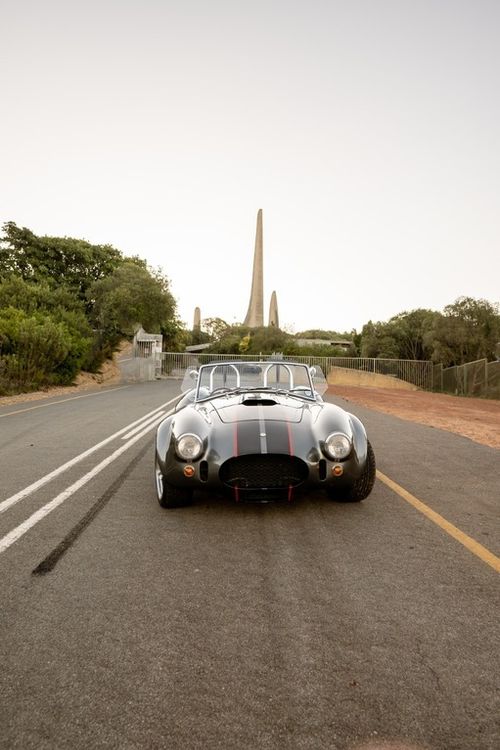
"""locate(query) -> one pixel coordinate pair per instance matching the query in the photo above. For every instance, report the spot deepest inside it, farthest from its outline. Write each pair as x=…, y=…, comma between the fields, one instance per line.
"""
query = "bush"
x=36, y=351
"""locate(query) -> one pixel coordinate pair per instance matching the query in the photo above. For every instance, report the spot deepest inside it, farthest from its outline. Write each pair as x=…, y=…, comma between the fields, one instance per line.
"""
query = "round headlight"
x=337, y=446
x=189, y=447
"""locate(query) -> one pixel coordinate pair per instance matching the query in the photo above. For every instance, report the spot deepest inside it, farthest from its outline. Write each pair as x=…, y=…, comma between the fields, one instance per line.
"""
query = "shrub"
x=36, y=351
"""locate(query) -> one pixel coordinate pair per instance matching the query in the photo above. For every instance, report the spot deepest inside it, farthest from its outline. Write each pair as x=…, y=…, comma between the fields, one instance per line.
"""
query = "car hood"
x=258, y=407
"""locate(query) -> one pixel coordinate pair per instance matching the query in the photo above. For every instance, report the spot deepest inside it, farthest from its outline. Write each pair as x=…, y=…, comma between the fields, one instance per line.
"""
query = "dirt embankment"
x=109, y=374
x=475, y=418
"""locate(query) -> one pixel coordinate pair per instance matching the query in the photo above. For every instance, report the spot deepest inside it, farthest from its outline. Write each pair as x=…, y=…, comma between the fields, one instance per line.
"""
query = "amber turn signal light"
x=337, y=471
x=189, y=471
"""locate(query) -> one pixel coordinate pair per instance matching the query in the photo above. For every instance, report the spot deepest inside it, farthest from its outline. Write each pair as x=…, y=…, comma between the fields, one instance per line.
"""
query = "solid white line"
x=136, y=429
x=63, y=401
x=10, y=501
x=36, y=517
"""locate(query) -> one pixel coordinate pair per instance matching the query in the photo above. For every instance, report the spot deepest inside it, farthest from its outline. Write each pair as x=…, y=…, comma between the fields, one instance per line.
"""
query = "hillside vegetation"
x=65, y=304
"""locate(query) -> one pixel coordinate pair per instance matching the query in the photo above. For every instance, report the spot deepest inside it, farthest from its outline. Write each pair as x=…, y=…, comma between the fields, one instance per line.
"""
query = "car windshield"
x=230, y=377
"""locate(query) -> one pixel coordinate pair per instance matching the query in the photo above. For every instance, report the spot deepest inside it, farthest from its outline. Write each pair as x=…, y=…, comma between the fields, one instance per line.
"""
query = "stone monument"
x=273, y=311
x=197, y=319
x=255, y=315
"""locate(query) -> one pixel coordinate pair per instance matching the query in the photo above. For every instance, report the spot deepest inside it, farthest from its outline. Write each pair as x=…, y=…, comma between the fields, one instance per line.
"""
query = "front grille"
x=266, y=471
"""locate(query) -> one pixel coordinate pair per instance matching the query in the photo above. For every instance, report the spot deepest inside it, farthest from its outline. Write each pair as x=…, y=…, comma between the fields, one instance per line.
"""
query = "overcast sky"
x=368, y=131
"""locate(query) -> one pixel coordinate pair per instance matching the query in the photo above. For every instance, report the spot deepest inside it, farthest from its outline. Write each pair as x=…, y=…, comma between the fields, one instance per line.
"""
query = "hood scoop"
x=255, y=401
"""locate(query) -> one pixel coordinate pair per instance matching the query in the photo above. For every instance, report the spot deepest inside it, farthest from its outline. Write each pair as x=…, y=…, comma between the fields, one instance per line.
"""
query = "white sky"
x=368, y=131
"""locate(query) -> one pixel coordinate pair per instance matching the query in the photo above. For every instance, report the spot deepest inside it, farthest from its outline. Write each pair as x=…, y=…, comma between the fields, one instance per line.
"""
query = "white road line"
x=10, y=501
x=136, y=429
x=63, y=401
x=36, y=517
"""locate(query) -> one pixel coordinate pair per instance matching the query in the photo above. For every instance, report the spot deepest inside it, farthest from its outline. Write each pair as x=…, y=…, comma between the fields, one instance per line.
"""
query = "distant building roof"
x=341, y=343
x=197, y=347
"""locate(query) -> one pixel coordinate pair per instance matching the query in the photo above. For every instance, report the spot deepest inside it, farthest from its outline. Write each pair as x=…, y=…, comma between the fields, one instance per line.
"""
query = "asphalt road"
x=303, y=625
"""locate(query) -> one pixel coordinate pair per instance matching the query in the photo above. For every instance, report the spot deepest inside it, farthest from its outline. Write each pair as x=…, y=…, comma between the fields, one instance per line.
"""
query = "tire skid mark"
x=49, y=562
x=13, y=536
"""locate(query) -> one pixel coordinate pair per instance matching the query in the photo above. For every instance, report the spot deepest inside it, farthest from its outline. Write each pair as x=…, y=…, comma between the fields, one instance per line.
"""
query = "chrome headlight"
x=337, y=446
x=189, y=446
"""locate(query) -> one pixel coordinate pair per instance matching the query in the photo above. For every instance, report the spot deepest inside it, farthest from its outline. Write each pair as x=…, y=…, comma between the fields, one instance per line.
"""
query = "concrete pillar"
x=255, y=315
x=273, y=311
x=197, y=319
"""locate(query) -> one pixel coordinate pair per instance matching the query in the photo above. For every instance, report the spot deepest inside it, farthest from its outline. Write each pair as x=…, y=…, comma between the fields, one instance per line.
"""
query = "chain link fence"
x=480, y=378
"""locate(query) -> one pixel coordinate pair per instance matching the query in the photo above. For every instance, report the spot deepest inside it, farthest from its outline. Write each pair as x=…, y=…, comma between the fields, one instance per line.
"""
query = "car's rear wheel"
x=168, y=495
x=362, y=486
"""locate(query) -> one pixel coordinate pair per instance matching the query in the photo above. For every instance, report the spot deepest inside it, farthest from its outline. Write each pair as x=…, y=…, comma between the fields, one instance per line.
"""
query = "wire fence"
x=480, y=378
x=412, y=371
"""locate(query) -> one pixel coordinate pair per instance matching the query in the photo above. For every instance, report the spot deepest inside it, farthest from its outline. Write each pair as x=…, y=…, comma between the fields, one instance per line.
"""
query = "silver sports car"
x=260, y=430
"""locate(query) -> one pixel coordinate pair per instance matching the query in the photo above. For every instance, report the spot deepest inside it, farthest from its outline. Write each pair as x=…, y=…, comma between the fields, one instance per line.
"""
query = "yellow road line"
x=477, y=549
x=61, y=401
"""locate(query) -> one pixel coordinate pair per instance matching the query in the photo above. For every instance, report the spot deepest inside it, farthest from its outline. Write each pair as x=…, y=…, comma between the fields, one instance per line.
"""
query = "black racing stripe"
x=277, y=436
x=248, y=437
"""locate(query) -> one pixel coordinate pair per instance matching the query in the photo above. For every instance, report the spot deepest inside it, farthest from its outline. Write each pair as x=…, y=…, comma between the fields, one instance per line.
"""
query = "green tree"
x=74, y=263
x=408, y=335
x=60, y=305
x=90, y=293
x=380, y=340
x=197, y=336
x=412, y=332
x=469, y=329
x=34, y=351
x=130, y=296
x=216, y=328
x=317, y=333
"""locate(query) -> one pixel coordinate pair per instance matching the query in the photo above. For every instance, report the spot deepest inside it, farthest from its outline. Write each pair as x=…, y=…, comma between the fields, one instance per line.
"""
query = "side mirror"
x=193, y=374
x=312, y=370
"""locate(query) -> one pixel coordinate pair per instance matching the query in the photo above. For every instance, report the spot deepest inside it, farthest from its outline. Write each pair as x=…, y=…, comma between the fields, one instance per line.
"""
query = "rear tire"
x=168, y=495
x=362, y=486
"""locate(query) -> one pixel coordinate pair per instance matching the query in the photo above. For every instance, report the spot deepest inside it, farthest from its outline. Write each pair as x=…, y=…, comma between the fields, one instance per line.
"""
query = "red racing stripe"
x=290, y=439
x=290, y=451
x=235, y=453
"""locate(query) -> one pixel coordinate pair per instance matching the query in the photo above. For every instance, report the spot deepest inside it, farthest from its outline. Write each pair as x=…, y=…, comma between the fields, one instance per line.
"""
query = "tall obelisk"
x=273, y=312
x=255, y=315
x=197, y=319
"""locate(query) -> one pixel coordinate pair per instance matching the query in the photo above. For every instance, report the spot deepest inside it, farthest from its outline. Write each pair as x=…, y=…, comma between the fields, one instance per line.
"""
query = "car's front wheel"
x=168, y=495
x=362, y=486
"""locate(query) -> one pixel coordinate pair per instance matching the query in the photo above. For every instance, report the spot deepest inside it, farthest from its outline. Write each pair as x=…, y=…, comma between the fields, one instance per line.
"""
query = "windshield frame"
x=306, y=388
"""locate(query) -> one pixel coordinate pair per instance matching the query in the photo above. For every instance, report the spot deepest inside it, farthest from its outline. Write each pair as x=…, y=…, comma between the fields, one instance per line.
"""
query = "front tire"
x=362, y=486
x=168, y=495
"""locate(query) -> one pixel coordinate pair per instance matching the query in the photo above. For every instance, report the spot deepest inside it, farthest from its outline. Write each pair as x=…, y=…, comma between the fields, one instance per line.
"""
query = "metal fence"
x=412, y=371
x=480, y=378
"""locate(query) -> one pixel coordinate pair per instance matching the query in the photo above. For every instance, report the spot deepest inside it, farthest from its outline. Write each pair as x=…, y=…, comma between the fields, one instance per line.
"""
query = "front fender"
x=359, y=438
x=186, y=420
x=163, y=437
